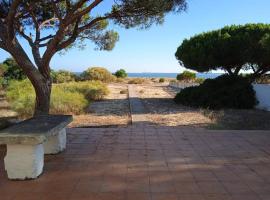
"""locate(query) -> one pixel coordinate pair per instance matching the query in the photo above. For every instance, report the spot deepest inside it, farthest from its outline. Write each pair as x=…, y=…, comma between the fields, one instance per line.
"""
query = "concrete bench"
x=29, y=140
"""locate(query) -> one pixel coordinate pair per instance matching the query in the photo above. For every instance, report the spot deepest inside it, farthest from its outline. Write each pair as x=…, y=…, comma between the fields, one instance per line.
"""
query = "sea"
x=171, y=75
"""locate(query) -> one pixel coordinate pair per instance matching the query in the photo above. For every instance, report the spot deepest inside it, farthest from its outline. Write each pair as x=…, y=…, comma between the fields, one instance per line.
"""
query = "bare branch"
x=46, y=38
x=29, y=39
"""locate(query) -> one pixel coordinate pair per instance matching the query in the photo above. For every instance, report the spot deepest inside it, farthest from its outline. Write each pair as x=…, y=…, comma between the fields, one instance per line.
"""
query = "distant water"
x=171, y=75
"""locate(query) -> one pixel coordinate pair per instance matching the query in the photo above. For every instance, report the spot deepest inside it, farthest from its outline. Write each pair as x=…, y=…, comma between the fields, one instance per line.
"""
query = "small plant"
x=186, y=76
x=123, y=91
x=162, y=80
x=121, y=73
x=136, y=81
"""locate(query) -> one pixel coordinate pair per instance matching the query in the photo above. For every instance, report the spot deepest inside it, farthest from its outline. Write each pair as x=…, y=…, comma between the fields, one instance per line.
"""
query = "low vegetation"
x=161, y=80
x=186, y=76
x=63, y=76
x=223, y=92
x=136, y=81
x=98, y=74
x=67, y=98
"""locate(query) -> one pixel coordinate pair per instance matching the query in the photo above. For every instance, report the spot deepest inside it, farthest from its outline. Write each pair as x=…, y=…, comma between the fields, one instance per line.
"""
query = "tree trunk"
x=43, y=97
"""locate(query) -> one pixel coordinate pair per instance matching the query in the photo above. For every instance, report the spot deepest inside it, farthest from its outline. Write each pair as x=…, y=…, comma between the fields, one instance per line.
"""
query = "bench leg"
x=56, y=143
x=24, y=161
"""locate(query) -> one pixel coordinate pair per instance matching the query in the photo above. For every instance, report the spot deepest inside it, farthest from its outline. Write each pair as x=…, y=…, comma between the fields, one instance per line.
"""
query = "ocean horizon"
x=170, y=75
x=166, y=75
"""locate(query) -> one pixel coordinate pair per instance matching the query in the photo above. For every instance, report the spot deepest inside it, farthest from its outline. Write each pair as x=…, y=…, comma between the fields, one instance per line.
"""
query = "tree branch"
x=72, y=38
x=29, y=39
x=84, y=11
x=10, y=18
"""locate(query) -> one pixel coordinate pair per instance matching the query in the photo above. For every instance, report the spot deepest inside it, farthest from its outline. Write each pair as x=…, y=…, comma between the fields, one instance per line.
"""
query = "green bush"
x=67, y=98
x=223, y=92
x=98, y=74
x=62, y=76
x=9, y=70
x=162, y=80
x=199, y=80
x=186, y=76
x=121, y=73
x=136, y=81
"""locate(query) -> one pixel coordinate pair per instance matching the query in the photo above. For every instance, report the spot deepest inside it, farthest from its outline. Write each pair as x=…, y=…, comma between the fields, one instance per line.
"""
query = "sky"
x=153, y=50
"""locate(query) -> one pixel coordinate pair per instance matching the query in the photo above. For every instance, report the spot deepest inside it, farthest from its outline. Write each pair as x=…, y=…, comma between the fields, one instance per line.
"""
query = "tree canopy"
x=50, y=26
x=232, y=48
x=121, y=73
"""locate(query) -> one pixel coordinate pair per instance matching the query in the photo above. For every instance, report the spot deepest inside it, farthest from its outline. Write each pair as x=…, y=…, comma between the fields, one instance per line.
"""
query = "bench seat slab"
x=24, y=161
x=56, y=143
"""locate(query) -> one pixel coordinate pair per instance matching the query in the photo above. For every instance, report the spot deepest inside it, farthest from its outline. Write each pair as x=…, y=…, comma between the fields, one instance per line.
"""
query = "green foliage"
x=199, y=80
x=9, y=70
x=121, y=73
x=67, y=98
x=161, y=80
x=232, y=48
x=222, y=92
x=186, y=76
x=92, y=90
x=98, y=73
x=136, y=81
x=62, y=76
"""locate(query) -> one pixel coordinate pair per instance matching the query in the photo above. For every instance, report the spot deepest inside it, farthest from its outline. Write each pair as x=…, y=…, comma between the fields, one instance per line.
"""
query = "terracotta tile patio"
x=151, y=163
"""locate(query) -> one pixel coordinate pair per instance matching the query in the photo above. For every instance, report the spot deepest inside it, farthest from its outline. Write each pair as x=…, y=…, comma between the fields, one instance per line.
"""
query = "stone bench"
x=29, y=140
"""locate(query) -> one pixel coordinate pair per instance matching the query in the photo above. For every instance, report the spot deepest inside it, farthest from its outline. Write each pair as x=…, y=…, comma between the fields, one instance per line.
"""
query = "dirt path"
x=161, y=109
x=113, y=110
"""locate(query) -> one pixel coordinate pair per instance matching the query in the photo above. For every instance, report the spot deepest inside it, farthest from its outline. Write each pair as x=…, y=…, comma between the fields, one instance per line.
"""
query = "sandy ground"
x=113, y=110
x=161, y=109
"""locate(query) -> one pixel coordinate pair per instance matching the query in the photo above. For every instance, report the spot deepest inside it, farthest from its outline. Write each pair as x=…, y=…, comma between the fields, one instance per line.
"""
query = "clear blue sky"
x=153, y=50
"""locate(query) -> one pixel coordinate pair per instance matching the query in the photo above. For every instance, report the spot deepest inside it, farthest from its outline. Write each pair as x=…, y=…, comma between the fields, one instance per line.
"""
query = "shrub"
x=199, y=80
x=9, y=70
x=123, y=91
x=223, y=92
x=67, y=102
x=121, y=73
x=162, y=80
x=98, y=74
x=264, y=79
x=67, y=98
x=136, y=81
x=62, y=76
x=186, y=76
